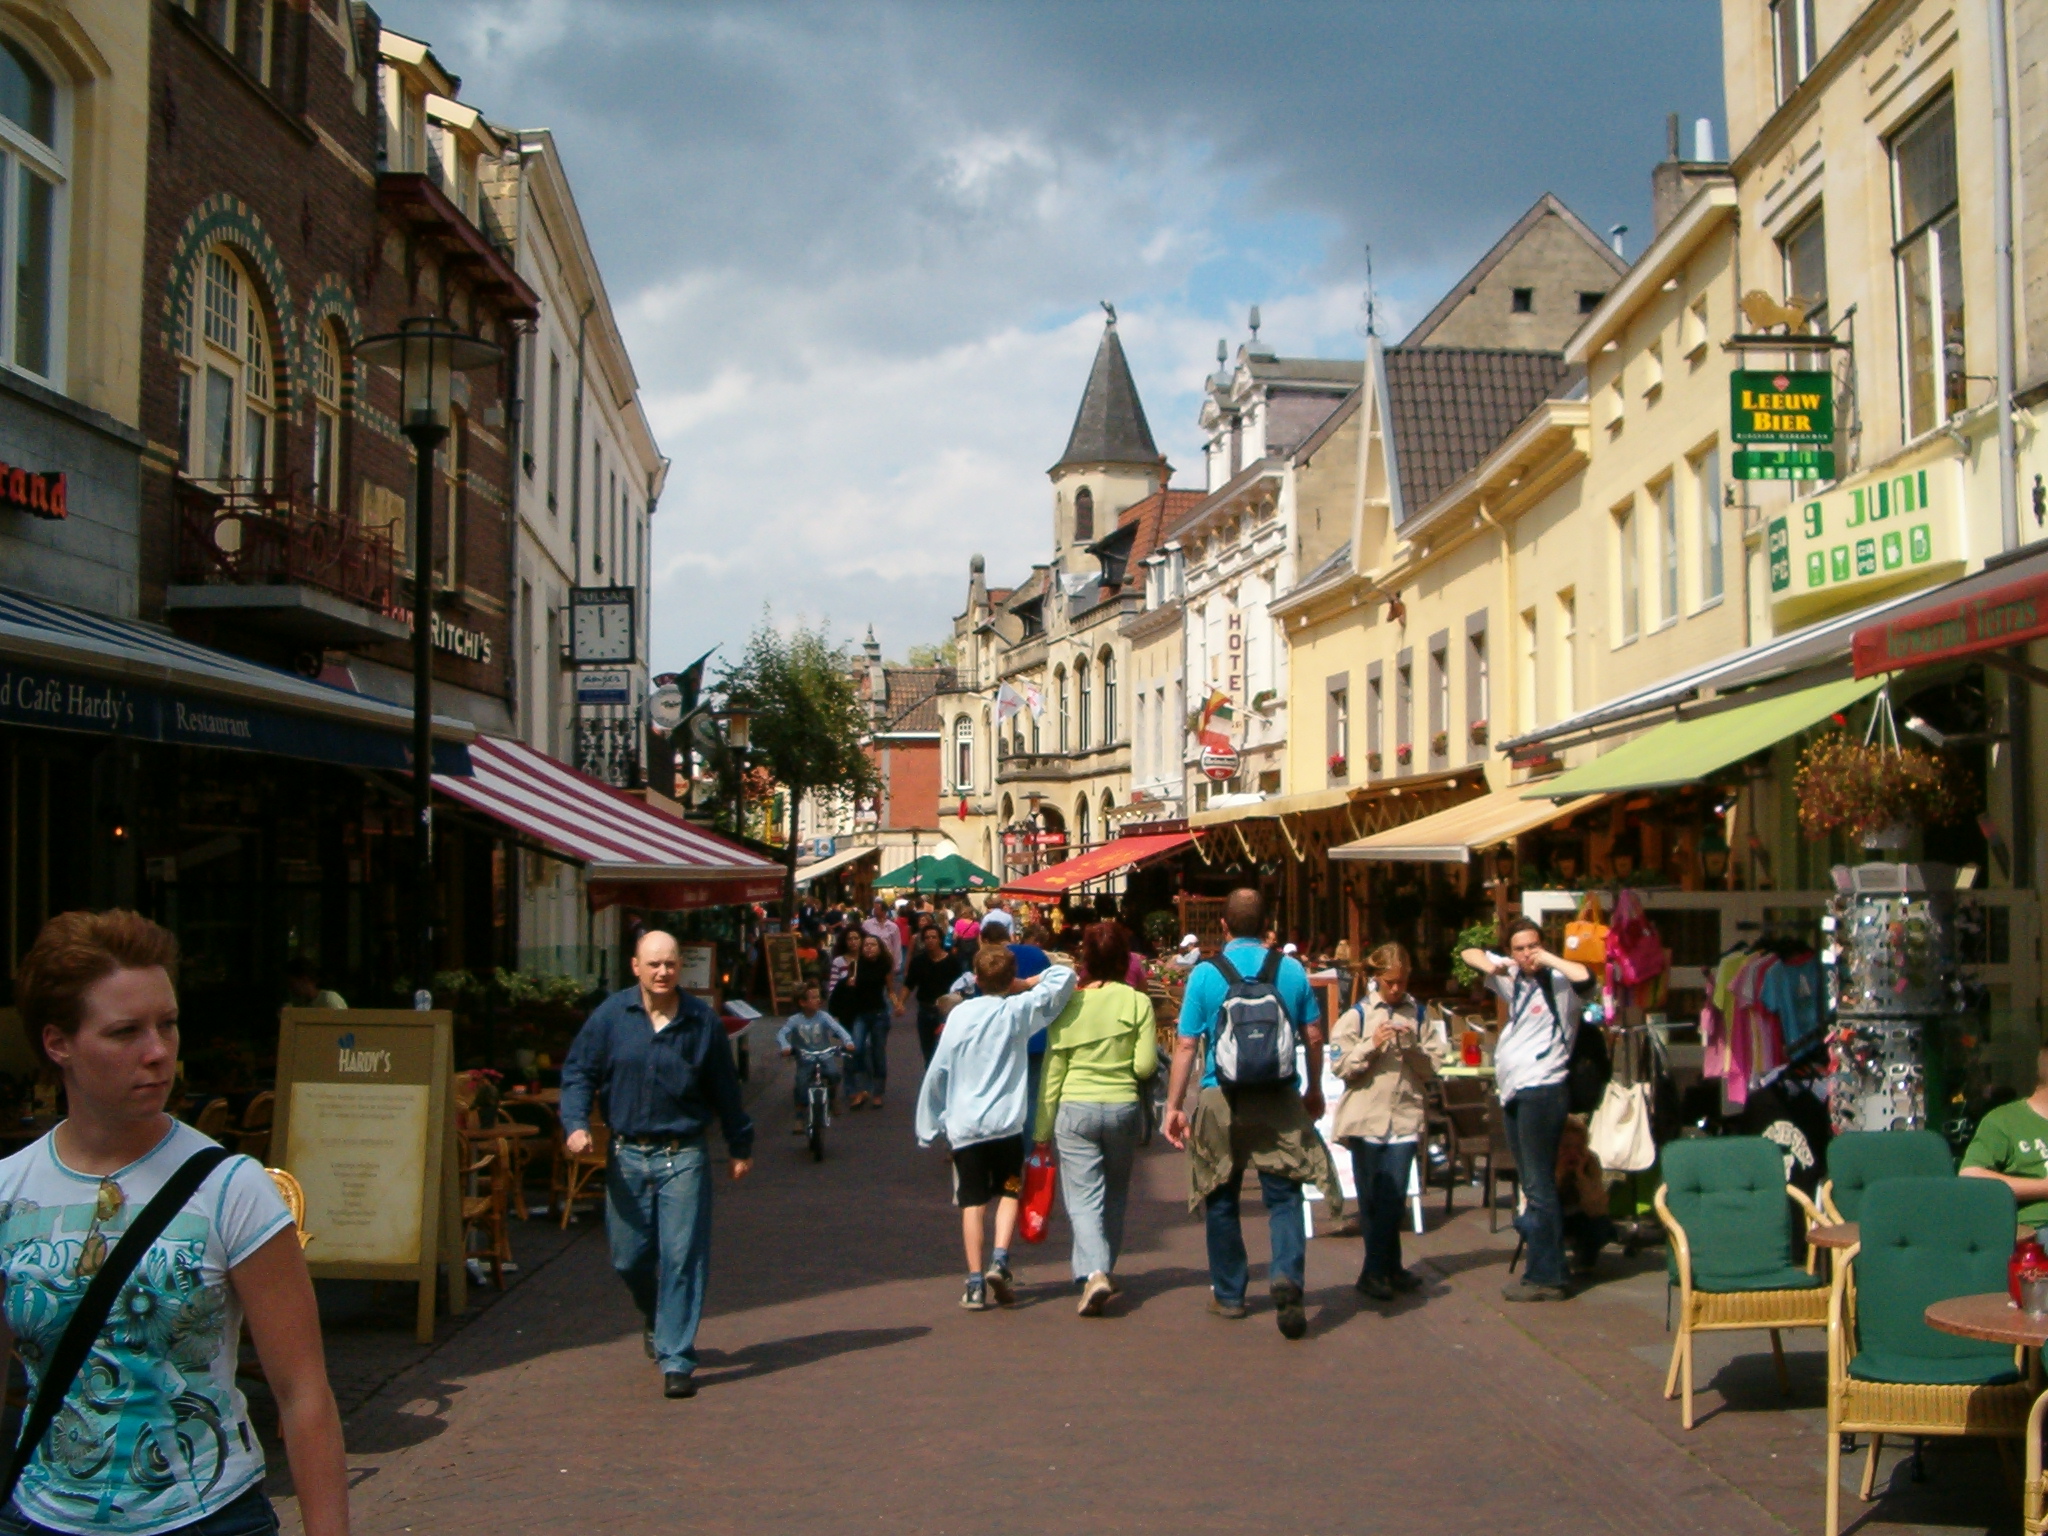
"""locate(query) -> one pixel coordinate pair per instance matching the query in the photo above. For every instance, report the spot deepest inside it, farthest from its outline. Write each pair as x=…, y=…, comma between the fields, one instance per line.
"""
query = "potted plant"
x=1264, y=700
x=1440, y=744
x=1483, y=934
x=1478, y=730
x=1338, y=765
x=1404, y=752
x=1372, y=762
x=1874, y=790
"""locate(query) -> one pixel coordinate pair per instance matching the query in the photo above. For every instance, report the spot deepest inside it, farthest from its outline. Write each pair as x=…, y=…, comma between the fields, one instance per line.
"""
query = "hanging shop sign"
x=603, y=685
x=1857, y=538
x=1220, y=763
x=1790, y=407
x=1784, y=463
x=31, y=491
x=2006, y=615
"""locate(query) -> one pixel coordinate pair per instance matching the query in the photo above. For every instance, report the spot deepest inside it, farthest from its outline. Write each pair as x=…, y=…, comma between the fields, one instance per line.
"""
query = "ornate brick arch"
x=331, y=299
x=224, y=219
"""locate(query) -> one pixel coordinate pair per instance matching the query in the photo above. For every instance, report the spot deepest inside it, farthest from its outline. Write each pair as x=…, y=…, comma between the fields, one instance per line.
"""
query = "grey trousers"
x=1097, y=1144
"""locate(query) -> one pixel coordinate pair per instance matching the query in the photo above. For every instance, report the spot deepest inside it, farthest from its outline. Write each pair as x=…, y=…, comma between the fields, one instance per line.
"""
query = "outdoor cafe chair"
x=1465, y=1141
x=1500, y=1164
x=527, y=1150
x=216, y=1121
x=580, y=1175
x=485, y=1212
x=1858, y=1159
x=1723, y=1202
x=294, y=1197
x=252, y=1138
x=1924, y=1240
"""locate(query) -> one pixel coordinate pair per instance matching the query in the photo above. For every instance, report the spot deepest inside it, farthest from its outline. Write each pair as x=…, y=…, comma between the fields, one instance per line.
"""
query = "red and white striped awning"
x=636, y=855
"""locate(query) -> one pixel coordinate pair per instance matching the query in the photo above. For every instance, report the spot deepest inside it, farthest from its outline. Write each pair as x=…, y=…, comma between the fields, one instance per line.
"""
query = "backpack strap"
x=1225, y=969
x=80, y=1334
x=1269, y=971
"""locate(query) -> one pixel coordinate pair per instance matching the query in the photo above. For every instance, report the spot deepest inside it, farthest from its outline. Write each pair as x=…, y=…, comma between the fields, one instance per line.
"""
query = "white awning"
x=806, y=873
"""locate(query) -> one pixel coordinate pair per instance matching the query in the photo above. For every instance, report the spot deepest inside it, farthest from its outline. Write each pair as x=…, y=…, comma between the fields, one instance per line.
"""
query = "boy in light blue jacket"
x=976, y=1094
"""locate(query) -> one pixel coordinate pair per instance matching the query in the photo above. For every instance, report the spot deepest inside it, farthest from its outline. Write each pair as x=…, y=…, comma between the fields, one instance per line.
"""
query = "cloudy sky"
x=856, y=248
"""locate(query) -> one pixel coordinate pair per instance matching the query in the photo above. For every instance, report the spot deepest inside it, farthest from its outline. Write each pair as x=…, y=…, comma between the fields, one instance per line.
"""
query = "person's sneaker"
x=1293, y=1320
x=1405, y=1281
x=1375, y=1287
x=975, y=1298
x=1001, y=1288
x=1523, y=1290
x=1233, y=1310
x=647, y=1341
x=678, y=1384
x=1095, y=1295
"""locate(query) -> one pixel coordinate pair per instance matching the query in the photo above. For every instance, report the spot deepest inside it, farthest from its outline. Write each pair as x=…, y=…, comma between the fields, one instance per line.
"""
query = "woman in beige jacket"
x=1387, y=1048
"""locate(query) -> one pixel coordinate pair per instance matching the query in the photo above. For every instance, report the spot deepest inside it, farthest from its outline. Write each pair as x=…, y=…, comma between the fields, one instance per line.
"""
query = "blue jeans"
x=657, y=1213
x=1098, y=1146
x=1034, y=1075
x=247, y=1514
x=1535, y=1124
x=1229, y=1272
x=869, y=1071
x=1381, y=1172
x=928, y=1026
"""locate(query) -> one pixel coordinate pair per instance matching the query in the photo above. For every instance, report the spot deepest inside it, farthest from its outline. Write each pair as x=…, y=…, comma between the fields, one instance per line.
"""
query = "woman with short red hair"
x=154, y=1435
x=1097, y=1053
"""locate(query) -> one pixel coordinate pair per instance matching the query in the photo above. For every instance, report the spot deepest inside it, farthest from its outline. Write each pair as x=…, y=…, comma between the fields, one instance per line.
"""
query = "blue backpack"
x=1255, y=1037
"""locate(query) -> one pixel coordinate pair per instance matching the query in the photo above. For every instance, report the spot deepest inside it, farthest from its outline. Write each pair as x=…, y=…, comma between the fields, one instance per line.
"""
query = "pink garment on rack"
x=1757, y=1045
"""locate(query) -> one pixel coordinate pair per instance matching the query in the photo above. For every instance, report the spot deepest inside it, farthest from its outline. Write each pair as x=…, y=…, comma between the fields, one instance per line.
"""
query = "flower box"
x=1440, y=744
x=1479, y=733
x=1338, y=765
x=1372, y=762
x=1404, y=752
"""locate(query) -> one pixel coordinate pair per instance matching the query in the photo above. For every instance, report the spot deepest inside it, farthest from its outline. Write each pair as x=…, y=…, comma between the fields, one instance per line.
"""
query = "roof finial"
x=1255, y=324
x=1108, y=309
x=1371, y=316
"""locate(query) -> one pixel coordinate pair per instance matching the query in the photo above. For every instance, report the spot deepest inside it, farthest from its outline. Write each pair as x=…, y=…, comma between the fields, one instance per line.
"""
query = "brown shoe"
x=856, y=1101
x=875, y=1102
x=1233, y=1310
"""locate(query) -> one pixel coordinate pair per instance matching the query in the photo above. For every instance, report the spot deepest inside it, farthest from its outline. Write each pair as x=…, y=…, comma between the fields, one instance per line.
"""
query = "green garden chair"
x=1923, y=1240
x=1728, y=1210
x=1858, y=1159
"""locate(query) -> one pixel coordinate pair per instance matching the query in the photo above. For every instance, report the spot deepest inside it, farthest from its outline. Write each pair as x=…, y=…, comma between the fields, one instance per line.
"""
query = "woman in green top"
x=1096, y=1053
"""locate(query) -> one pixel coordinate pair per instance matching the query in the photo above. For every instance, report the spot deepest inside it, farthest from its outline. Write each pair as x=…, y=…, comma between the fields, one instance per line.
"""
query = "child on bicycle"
x=812, y=1030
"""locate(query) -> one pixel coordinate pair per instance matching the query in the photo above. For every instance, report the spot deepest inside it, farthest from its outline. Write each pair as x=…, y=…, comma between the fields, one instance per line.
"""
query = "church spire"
x=1110, y=427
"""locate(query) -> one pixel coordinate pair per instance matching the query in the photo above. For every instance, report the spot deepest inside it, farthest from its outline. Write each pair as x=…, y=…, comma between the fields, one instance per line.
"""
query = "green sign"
x=1793, y=406
x=1784, y=463
x=1861, y=536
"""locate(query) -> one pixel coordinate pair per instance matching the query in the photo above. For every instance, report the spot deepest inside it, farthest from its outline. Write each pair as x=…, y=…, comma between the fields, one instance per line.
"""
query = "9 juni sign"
x=1859, y=537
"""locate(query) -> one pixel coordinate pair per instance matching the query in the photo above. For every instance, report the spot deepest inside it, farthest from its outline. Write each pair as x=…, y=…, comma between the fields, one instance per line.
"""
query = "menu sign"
x=363, y=1100
x=785, y=970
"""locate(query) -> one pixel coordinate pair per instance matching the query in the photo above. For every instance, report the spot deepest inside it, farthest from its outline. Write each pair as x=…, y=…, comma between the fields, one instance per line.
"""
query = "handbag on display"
x=1034, y=1203
x=1633, y=947
x=1619, y=1134
x=1585, y=936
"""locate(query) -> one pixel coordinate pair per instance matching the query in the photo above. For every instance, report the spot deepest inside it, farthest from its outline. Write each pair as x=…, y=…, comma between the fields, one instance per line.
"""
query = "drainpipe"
x=2001, y=238
x=576, y=456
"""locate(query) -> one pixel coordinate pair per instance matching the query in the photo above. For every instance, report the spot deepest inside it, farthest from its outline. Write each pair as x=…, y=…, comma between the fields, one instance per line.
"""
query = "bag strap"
x=1269, y=971
x=1591, y=905
x=1225, y=969
x=83, y=1330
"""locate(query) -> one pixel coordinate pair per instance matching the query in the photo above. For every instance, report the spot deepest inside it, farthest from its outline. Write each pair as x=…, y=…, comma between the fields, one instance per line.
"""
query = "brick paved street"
x=844, y=1390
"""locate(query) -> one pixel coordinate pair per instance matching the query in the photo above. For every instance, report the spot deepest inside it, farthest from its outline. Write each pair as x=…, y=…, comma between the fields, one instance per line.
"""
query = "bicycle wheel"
x=815, y=1128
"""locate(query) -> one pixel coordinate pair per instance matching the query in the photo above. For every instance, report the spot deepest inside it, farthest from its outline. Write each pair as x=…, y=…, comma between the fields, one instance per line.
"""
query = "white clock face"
x=602, y=630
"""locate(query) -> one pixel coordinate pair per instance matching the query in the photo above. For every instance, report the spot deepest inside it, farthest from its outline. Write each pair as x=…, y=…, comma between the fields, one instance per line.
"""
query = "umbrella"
x=952, y=873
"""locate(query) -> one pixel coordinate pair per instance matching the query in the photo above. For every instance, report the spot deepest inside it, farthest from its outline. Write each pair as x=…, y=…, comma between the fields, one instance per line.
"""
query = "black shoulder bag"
x=84, y=1328
x=1587, y=1074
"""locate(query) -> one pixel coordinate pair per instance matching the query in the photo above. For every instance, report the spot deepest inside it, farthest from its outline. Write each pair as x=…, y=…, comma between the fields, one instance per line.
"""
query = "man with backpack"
x=1243, y=1014
x=1533, y=1067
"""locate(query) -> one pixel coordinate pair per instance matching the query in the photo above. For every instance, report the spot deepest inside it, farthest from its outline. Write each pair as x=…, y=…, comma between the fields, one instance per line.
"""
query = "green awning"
x=1686, y=751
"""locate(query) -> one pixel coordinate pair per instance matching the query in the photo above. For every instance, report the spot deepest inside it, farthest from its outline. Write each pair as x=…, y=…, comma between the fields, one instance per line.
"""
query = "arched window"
x=225, y=385
x=1081, y=823
x=327, y=374
x=1108, y=804
x=963, y=755
x=1087, y=700
x=1109, y=721
x=1059, y=682
x=1084, y=516
x=33, y=130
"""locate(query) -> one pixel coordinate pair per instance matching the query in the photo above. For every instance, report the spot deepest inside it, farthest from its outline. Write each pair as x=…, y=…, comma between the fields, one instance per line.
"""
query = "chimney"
x=1674, y=181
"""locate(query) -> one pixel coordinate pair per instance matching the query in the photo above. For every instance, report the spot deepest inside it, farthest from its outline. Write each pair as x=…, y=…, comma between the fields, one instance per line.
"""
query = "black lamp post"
x=427, y=353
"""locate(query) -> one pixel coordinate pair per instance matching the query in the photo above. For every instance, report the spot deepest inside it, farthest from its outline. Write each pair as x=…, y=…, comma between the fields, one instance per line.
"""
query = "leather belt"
x=669, y=1144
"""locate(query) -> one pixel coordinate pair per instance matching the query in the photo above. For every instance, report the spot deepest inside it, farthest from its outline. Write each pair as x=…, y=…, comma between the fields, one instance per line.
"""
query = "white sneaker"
x=1095, y=1295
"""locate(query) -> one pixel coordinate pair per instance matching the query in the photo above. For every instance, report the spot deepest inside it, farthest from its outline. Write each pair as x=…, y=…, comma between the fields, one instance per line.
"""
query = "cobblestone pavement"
x=844, y=1389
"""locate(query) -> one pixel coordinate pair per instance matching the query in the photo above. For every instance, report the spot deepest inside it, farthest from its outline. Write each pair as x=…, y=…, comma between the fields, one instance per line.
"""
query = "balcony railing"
x=609, y=749
x=250, y=535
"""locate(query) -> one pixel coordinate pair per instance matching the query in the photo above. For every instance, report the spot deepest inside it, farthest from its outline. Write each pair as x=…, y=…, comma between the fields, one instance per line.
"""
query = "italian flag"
x=1217, y=717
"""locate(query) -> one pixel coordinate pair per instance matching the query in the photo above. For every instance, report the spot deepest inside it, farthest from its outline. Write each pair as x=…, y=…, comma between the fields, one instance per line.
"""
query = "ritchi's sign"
x=2007, y=615
x=27, y=490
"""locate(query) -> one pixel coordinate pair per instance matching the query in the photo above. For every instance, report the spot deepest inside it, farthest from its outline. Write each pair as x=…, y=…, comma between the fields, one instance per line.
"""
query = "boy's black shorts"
x=988, y=1169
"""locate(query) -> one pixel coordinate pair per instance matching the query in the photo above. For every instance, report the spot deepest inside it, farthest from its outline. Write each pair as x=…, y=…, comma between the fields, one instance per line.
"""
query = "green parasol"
x=952, y=873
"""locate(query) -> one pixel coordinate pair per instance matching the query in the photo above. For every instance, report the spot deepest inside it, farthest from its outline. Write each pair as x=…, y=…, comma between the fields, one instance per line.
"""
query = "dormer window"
x=1084, y=516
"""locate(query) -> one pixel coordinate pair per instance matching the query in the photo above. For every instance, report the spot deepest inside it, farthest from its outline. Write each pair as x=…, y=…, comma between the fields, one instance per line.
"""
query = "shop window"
x=33, y=129
x=1081, y=831
x=1706, y=482
x=1793, y=44
x=1928, y=253
x=327, y=353
x=225, y=392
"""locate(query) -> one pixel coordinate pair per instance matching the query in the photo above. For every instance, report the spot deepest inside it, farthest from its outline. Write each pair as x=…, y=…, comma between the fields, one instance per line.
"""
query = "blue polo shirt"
x=1207, y=989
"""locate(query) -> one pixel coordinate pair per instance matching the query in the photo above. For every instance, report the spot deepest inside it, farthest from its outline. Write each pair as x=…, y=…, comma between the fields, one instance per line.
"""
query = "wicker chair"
x=485, y=1212
x=1858, y=1159
x=1723, y=1204
x=252, y=1138
x=1924, y=1240
x=577, y=1172
x=294, y=1201
x=216, y=1122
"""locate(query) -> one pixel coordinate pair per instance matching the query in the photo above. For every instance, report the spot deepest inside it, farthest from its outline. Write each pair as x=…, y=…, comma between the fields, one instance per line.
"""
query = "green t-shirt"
x=2013, y=1139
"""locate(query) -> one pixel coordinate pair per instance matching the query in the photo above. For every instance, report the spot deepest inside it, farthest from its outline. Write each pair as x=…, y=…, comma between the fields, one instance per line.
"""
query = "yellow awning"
x=1325, y=799
x=1453, y=836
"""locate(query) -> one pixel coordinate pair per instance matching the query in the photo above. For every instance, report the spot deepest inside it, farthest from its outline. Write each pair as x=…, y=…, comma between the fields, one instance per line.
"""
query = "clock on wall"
x=601, y=627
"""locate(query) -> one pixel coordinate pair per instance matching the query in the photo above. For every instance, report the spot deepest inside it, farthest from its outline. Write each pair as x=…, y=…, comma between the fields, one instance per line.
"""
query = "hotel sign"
x=1790, y=407
x=2007, y=615
x=1859, y=538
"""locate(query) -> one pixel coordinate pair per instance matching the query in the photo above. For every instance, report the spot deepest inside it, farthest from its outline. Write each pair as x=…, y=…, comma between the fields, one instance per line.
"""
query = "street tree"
x=809, y=726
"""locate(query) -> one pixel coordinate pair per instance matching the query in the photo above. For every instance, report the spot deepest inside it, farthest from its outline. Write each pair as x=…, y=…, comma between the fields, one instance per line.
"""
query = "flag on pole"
x=1008, y=702
x=1034, y=701
x=1217, y=717
x=691, y=681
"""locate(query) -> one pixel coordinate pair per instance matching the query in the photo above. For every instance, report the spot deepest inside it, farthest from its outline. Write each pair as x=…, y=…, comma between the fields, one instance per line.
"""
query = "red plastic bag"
x=1034, y=1205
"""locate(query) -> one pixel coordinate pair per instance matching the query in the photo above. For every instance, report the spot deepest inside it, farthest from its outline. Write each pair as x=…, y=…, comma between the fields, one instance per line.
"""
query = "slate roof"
x=1451, y=405
x=1110, y=427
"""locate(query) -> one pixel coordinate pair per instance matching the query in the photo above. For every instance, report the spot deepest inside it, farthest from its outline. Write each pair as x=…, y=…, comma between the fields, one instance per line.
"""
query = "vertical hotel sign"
x=1860, y=538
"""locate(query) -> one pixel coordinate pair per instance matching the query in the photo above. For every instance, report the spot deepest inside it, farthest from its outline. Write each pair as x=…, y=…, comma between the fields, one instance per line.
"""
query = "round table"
x=1991, y=1317
x=1844, y=1234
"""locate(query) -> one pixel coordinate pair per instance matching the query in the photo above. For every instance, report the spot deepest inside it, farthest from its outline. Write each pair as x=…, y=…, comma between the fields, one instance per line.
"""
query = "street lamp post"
x=427, y=353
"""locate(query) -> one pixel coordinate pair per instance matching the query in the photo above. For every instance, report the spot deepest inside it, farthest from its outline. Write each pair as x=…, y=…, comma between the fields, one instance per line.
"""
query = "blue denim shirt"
x=668, y=1084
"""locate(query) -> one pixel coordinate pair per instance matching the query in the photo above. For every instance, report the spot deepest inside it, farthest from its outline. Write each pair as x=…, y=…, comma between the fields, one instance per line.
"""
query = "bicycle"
x=817, y=1086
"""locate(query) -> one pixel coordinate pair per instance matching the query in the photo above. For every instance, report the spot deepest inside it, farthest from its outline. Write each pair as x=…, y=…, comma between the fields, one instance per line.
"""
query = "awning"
x=808, y=872
x=2002, y=605
x=1267, y=809
x=635, y=854
x=67, y=670
x=1686, y=751
x=1099, y=863
x=1453, y=836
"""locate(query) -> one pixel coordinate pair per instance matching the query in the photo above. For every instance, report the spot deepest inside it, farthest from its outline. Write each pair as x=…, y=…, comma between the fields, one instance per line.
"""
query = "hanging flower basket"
x=1338, y=766
x=1372, y=762
x=1439, y=744
x=1404, y=752
x=1876, y=790
x=1478, y=729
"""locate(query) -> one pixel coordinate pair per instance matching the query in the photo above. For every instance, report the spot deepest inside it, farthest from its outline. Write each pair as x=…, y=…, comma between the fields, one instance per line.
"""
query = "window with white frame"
x=1628, y=571
x=225, y=384
x=1706, y=498
x=327, y=351
x=33, y=160
x=963, y=755
x=1793, y=43
x=1059, y=683
x=1928, y=252
x=1666, y=497
x=1084, y=688
x=1107, y=662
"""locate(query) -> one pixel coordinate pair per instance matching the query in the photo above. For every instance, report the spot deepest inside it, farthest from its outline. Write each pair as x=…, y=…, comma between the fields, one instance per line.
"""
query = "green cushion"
x=1927, y=1240
x=1728, y=1193
x=1858, y=1159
